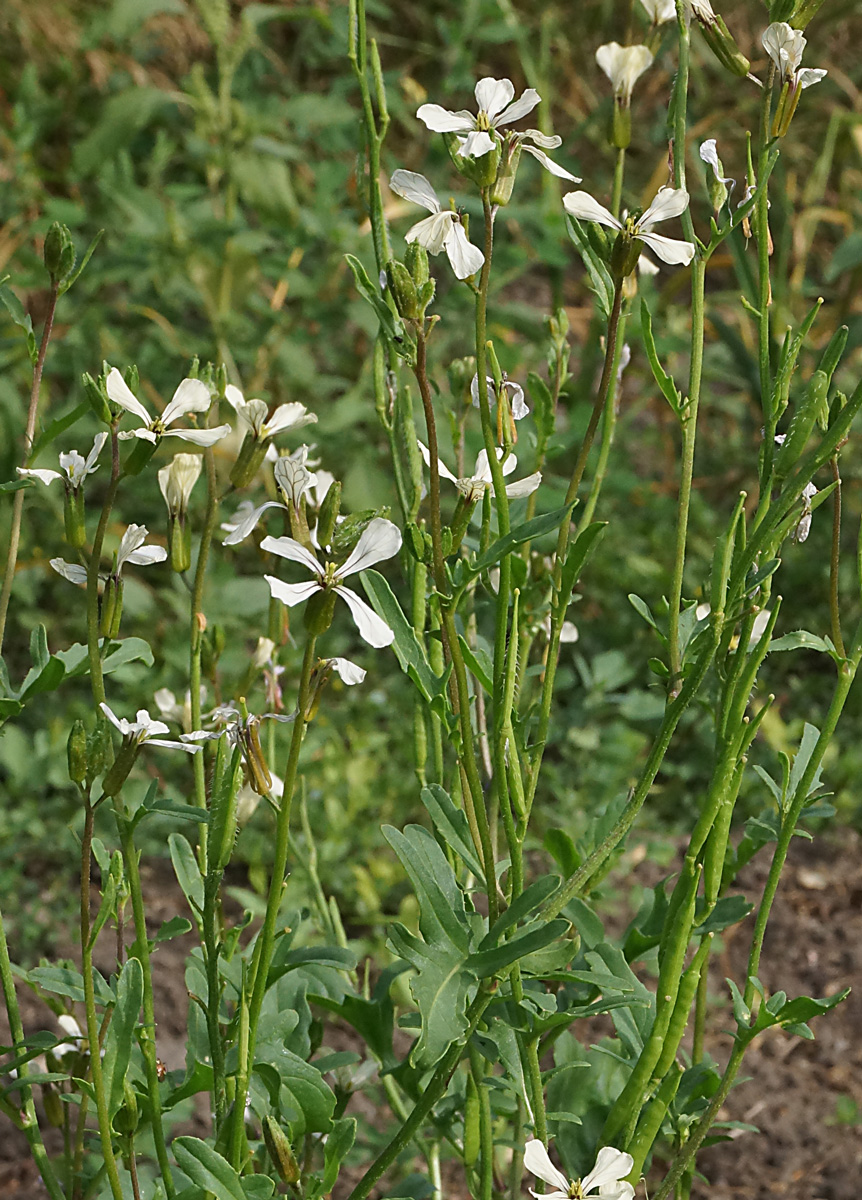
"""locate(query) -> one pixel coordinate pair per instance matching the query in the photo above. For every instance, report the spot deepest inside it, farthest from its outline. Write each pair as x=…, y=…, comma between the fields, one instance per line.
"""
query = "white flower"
x=144, y=729
x=660, y=11
x=784, y=46
x=191, y=396
x=177, y=480
x=474, y=486
x=442, y=230
x=254, y=414
x=517, y=405
x=623, y=66
x=294, y=480
x=804, y=527
x=74, y=468
x=606, y=1178
x=131, y=550
x=493, y=97
x=709, y=154
x=380, y=540
x=347, y=671
x=244, y=510
x=668, y=202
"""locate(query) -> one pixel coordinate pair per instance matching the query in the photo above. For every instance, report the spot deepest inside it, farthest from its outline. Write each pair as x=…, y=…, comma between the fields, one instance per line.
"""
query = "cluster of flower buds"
x=410, y=282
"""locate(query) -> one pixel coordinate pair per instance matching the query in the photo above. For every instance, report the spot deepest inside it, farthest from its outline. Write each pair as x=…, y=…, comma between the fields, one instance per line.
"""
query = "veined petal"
x=43, y=476
x=120, y=392
x=583, y=206
x=441, y=120
x=372, y=629
x=192, y=395
x=669, y=250
x=380, y=540
x=519, y=108
x=623, y=66
x=288, y=547
x=784, y=46
x=548, y=141
x=810, y=75
x=549, y=164
x=611, y=1166
x=538, y=1163
x=74, y=572
x=147, y=555
x=517, y=404
x=492, y=95
x=289, y=416
x=660, y=11
x=668, y=202
x=432, y=232
x=416, y=188
x=173, y=745
x=709, y=155
x=348, y=671
x=144, y=433
x=198, y=437
x=240, y=531
x=476, y=144
x=524, y=487
x=466, y=259
x=291, y=593
x=132, y=539
x=442, y=469
x=616, y=1191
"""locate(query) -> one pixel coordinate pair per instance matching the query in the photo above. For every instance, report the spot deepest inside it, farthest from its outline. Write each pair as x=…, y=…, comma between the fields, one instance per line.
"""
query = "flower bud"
x=58, y=252
x=251, y=456
x=127, y=1118
x=414, y=540
x=328, y=515
x=280, y=1151
x=416, y=262
x=721, y=42
x=98, y=751
x=97, y=397
x=76, y=752
x=258, y=772
x=74, y=524
x=403, y=291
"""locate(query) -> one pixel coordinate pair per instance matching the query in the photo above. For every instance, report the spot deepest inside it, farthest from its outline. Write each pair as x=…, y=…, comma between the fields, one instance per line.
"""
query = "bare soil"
x=800, y=1094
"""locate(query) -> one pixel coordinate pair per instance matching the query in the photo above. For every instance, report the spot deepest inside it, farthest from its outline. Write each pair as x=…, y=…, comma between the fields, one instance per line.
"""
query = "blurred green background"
x=219, y=149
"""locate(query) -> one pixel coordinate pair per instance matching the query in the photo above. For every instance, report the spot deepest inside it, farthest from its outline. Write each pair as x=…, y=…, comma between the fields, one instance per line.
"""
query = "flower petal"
x=583, y=206
x=538, y=1163
x=669, y=250
x=519, y=108
x=289, y=416
x=809, y=75
x=524, y=487
x=132, y=539
x=144, y=433
x=121, y=723
x=432, y=232
x=198, y=437
x=442, y=469
x=709, y=154
x=120, y=392
x=380, y=540
x=234, y=397
x=611, y=1166
x=548, y=141
x=549, y=164
x=517, y=404
x=466, y=259
x=192, y=395
x=348, y=671
x=98, y=442
x=416, y=188
x=240, y=531
x=476, y=144
x=372, y=629
x=74, y=572
x=147, y=555
x=668, y=202
x=291, y=593
x=288, y=547
x=492, y=95
x=441, y=120
x=173, y=745
x=43, y=476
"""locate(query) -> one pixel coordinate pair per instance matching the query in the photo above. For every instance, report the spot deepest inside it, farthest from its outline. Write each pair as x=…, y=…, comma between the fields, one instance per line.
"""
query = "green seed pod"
x=504, y=185
x=212, y=648
x=805, y=12
x=403, y=290
x=621, y=125
x=416, y=262
x=781, y=10
x=119, y=772
x=59, y=252
x=318, y=612
x=807, y=411
x=280, y=1151
x=624, y=255
x=249, y=461
x=258, y=771
x=721, y=42
x=472, y=1138
x=221, y=831
x=127, y=1118
x=76, y=752
x=140, y=455
x=682, y=1007
x=74, y=524
x=179, y=544
x=649, y=1125
x=328, y=515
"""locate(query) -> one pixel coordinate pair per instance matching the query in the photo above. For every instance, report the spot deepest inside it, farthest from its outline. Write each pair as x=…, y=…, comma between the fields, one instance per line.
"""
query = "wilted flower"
x=623, y=66
x=804, y=527
x=473, y=487
x=192, y=396
x=74, y=468
x=294, y=481
x=380, y=540
x=177, y=480
x=719, y=185
x=443, y=230
x=514, y=394
x=669, y=202
x=606, y=1179
x=784, y=46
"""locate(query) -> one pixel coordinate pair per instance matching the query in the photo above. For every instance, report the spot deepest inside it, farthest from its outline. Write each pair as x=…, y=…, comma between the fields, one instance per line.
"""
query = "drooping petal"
x=288, y=547
x=174, y=745
x=538, y=1163
x=74, y=572
x=432, y=232
x=517, y=404
x=583, y=206
x=372, y=629
x=291, y=593
x=519, y=108
x=192, y=395
x=709, y=155
x=784, y=46
x=492, y=95
x=524, y=487
x=98, y=442
x=243, y=528
x=611, y=1166
x=466, y=259
x=144, y=433
x=289, y=416
x=147, y=555
x=121, y=723
x=660, y=11
x=809, y=75
x=669, y=250
x=668, y=202
x=120, y=392
x=380, y=540
x=549, y=164
x=416, y=188
x=442, y=469
x=43, y=476
x=348, y=671
x=548, y=141
x=198, y=437
x=234, y=397
x=476, y=143
x=441, y=120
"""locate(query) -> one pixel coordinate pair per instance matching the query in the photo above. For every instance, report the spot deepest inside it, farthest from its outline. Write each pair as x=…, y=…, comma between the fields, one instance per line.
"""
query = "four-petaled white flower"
x=442, y=230
x=254, y=414
x=784, y=46
x=669, y=202
x=494, y=99
x=131, y=550
x=660, y=11
x=176, y=481
x=514, y=392
x=623, y=66
x=192, y=396
x=473, y=487
x=380, y=540
x=144, y=730
x=606, y=1179
x=74, y=468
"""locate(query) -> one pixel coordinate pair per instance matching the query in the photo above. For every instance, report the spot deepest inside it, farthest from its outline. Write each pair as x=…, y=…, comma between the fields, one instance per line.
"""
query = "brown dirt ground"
x=813, y=947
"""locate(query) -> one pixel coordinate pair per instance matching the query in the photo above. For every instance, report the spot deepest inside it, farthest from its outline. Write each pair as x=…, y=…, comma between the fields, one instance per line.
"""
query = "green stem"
x=609, y=425
x=835, y=560
x=486, y=1134
x=198, y=625
x=97, y=682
